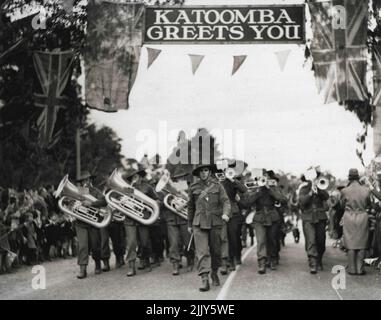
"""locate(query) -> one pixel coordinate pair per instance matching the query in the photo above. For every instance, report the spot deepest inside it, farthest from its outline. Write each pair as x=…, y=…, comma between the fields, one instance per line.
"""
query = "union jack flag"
x=340, y=54
x=53, y=72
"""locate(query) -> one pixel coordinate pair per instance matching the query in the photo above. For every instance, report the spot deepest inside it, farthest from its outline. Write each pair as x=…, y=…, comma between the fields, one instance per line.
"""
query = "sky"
x=277, y=118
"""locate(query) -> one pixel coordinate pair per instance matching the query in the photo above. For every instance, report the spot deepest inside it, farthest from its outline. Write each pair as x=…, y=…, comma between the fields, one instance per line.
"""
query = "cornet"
x=71, y=204
x=136, y=205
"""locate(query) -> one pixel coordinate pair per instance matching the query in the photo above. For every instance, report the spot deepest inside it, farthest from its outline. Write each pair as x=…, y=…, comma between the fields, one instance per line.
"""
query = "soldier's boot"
x=148, y=265
x=244, y=243
x=119, y=262
x=98, y=267
x=320, y=264
x=204, y=283
x=190, y=263
x=131, y=269
x=224, y=266
x=175, y=271
x=142, y=264
x=215, y=279
x=82, y=272
x=273, y=264
x=252, y=241
x=262, y=266
x=232, y=265
x=313, y=266
x=106, y=265
x=238, y=261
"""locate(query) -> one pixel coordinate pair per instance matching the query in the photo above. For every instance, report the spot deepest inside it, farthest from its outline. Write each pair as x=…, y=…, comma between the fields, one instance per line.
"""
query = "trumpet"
x=259, y=182
x=136, y=205
x=228, y=173
x=71, y=203
x=322, y=183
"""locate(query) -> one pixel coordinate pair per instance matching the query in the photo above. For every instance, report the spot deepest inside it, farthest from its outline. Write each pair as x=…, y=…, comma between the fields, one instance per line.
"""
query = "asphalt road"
x=292, y=280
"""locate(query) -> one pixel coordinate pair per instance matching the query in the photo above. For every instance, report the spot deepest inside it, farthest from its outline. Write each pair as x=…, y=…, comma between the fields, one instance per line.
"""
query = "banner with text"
x=221, y=24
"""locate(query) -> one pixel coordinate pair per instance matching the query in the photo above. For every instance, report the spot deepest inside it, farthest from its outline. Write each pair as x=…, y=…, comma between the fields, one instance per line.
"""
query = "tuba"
x=135, y=205
x=71, y=203
x=177, y=204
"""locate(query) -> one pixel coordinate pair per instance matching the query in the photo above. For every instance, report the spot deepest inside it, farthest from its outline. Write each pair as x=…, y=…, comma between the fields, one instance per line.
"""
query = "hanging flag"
x=114, y=40
x=377, y=75
x=237, y=62
x=53, y=72
x=282, y=57
x=377, y=99
x=152, y=55
x=339, y=48
x=196, y=61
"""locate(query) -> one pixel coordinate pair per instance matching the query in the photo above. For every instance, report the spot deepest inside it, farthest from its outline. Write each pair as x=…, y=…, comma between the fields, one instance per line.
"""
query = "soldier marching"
x=198, y=214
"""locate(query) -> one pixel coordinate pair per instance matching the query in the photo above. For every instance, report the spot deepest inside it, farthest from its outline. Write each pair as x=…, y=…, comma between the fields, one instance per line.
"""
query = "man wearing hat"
x=135, y=231
x=266, y=222
x=313, y=205
x=356, y=201
x=233, y=187
x=89, y=237
x=178, y=235
x=208, y=208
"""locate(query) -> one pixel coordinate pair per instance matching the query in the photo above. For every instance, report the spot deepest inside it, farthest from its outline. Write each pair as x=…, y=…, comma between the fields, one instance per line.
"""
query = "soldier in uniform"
x=177, y=229
x=312, y=201
x=115, y=231
x=234, y=227
x=266, y=223
x=208, y=208
x=135, y=231
x=89, y=237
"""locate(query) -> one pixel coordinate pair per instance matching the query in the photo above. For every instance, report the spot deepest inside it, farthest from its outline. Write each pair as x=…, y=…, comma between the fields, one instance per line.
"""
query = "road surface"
x=292, y=280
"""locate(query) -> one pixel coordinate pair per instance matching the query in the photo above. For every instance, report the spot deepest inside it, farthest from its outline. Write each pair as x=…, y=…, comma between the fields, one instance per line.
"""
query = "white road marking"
x=225, y=288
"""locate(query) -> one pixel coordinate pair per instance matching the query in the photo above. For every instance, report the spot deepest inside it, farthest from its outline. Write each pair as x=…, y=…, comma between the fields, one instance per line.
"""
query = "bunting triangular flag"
x=282, y=58
x=196, y=61
x=237, y=62
x=152, y=55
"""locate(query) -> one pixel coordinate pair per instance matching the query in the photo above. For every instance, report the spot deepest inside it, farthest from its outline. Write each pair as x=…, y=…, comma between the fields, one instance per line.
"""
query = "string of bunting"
x=238, y=60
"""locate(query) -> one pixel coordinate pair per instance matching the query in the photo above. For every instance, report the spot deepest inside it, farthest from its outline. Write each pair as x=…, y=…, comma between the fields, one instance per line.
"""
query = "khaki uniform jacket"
x=313, y=206
x=263, y=201
x=207, y=211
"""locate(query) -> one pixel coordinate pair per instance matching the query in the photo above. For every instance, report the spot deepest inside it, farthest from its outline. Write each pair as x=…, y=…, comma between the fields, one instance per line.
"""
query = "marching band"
x=207, y=222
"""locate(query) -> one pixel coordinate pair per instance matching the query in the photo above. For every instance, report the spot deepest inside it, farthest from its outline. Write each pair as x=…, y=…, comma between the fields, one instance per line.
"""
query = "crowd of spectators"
x=32, y=229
